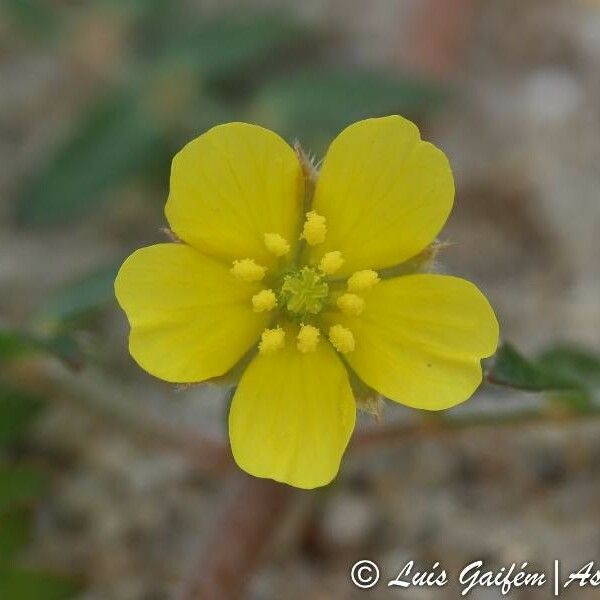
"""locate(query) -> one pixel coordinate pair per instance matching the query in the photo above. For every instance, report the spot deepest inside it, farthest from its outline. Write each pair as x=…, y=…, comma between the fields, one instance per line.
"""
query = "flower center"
x=303, y=292
x=300, y=293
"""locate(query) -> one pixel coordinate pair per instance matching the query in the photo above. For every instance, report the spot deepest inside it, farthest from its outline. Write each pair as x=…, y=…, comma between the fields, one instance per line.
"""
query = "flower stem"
x=251, y=512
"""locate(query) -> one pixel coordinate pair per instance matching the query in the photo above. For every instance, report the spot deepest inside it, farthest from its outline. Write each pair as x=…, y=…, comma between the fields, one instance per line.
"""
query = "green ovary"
x=303, y=292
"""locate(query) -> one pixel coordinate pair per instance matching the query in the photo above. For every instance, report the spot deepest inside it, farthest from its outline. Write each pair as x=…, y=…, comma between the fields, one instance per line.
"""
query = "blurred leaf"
x=17, y=409
x=514, y=370
x=571, y=374
x=573, y=364
x=576, y=365
x=318, y=103
x=15, y=531
x=112, y=141
x=140, y=9
x=15, y=344
x=228, y=46
x=575, y=400
x=20, y=584
x=35, y=16
x=132, y=130
x=79, y=298
x=67, y=349
x=18, y=485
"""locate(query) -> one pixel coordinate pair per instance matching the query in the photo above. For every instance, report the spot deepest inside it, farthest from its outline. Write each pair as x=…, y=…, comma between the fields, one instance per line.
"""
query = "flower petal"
x=190, y=318
x=292, y=416
x=232, y=185
x=384, y=192
x=420, y=339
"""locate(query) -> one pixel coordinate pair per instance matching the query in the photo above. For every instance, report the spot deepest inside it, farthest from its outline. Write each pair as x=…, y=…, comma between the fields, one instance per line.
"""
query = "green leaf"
x=228, y=46
x=512, y=369
x=133, y=129
x=317, y=104
x=21, y=584
x=79, y=298
x=66, y=349
x=573, y=364
x=576, y=365
x=569, y=375
x=15, y=532
x=16, y=344
x=19, y=485
x=17, y=410
x=112, y=141
x=575, y=400
x=37, y=17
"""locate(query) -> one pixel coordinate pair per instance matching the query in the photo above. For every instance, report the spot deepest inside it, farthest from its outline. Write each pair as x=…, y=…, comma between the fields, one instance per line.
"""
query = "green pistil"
x=303, y=292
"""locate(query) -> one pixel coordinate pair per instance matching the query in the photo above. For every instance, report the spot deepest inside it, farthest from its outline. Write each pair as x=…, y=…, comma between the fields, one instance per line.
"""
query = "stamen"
x=271, y=340
x=341, y=338
x=361, y=281
x=308, y=338
x=276, y=244
x=351, y=304
x=314, y=228
x=264, y=300
x=331, y=262
x=247, y=270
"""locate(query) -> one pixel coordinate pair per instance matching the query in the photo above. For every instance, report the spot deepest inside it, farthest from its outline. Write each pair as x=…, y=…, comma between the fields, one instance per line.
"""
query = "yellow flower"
x=303, y=296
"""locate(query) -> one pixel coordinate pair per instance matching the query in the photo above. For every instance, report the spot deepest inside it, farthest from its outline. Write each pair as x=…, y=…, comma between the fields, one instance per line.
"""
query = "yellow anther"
x=276, y=244
x=314, y=228
x=351, y=304
x=331, y=262
x=271, y=340
x=341, y=338
x=308, y=338
x=264, y=300
x=247, y=270
x=361, y=281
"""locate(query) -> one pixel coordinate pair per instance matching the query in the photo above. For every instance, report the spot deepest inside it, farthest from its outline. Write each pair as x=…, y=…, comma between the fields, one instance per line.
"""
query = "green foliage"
x=317, y=103
x=225, y=48
x=21, y=584
x=19, y=484
x=35, y=17
x=78, y=299
x=191, y=74
x=514, y=370
x=136, y=127
x=573, y=364
x=17, y=410
x=571, y=375
x=15, y=531
x=15, y=344
x=111, y=141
